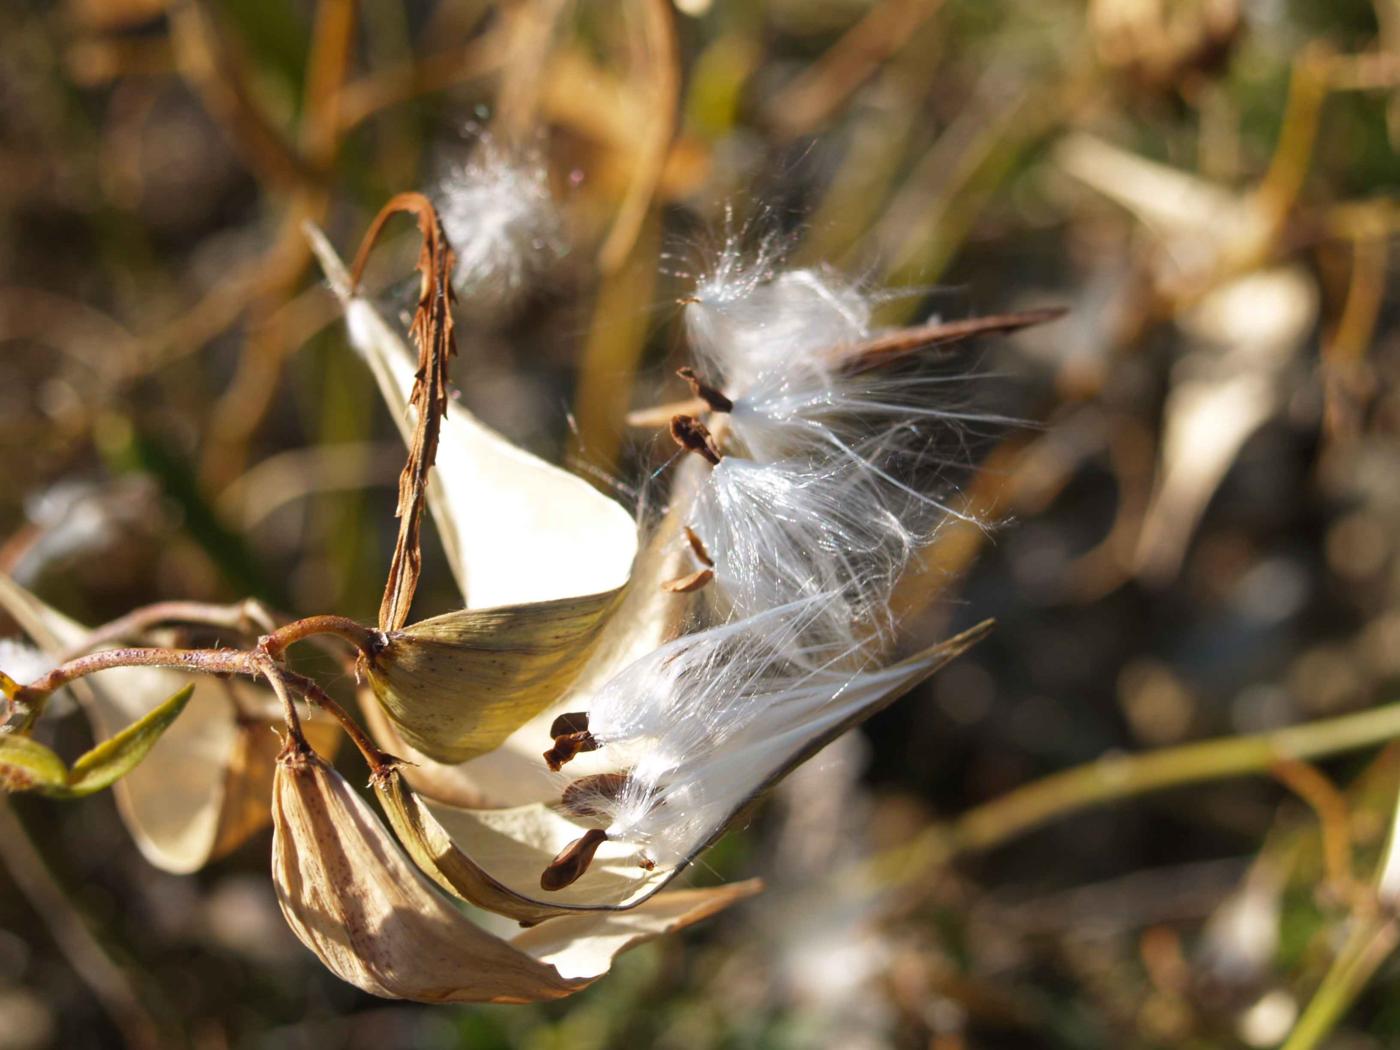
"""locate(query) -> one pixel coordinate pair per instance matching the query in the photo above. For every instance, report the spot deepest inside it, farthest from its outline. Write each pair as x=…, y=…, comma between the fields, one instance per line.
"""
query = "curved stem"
x=248, y=617
x=276, y=676
x=378, y=760
x=366, y=639
x=204, y=661
x=29, y=700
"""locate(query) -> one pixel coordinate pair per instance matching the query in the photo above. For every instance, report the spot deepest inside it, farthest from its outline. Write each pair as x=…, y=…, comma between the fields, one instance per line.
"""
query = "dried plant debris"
x=431, y=332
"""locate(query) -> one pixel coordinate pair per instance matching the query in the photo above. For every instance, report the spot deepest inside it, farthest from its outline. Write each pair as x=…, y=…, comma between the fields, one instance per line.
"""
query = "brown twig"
x=431, y=332
x=248, y=617
x=366, y=639
x=379, y=761
x=276, y=676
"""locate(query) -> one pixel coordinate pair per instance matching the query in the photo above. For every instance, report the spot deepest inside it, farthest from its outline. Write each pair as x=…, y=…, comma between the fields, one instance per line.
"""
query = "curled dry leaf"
x=494, y=857
x=357, y=902
x=191, y=800
x=540, y=555
x=432, y=333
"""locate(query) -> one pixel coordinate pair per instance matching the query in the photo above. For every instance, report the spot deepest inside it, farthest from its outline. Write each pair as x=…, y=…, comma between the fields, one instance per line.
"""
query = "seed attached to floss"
x=693, y=436
x=571, y=737
x=704, y=391
x=690, y=582
x=583, y=797
x=693, y=581
x=573, y=860
x=697, y=545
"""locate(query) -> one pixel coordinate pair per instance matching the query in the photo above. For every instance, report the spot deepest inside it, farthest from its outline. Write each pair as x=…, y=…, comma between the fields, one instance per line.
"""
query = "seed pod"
x=457, y=685
x=353, y=898
x=493, y=857
x=515, y=528
x=646, y=616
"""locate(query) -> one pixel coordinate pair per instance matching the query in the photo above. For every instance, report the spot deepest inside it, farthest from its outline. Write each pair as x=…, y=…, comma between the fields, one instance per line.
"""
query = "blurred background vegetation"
x=1199, y=532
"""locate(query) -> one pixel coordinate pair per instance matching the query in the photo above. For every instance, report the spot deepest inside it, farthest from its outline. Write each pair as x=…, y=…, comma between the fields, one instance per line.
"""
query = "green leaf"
x=27, y=765
x=114, y=758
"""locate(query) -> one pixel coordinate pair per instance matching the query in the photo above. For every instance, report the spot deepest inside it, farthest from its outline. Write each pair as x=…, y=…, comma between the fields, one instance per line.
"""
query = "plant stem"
x=1370, y=944
x=366, y=639
x=248, y=617
x=1117, y=776
x=277, y=678
x=378, y=760
x=204, y=661
x=260, y=663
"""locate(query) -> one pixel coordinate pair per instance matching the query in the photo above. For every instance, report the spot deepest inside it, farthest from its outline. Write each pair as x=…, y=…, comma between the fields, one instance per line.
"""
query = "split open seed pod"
x=356, y=901
x=495, y=858
x=540, y=556
x=457, y=685
x=203, y=787
x=646, y=616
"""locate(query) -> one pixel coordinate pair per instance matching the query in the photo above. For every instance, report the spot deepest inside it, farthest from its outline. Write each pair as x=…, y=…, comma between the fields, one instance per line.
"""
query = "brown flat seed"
x=702, y=553
x=693, y=436
x=706, y=393
x=572, y=861
x=689, y=583
x=567, y=746
x=569, y=722
x=580, y=796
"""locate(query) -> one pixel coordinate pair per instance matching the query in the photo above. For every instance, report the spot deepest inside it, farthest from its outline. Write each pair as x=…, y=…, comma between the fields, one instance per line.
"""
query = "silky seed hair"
x=833, y=476
x=824, y=480
x=687, y=727
x=502, y=221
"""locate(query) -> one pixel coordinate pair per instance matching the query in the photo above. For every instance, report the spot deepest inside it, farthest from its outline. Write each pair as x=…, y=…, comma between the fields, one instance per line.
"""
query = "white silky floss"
x=831, y=479
x=701, y=724
x=834, y=476
x=502, y=223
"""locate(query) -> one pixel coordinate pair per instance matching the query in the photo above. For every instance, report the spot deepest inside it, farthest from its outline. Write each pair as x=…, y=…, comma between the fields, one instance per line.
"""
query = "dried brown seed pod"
x=352, y=897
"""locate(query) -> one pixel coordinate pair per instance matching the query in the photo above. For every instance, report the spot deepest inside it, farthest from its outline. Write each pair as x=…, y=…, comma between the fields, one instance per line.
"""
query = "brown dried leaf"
x=354, y=899
x=431, y=332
